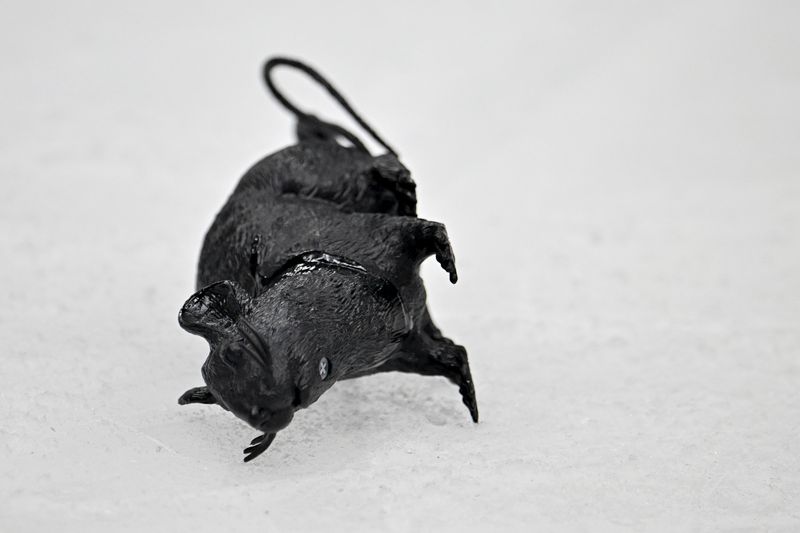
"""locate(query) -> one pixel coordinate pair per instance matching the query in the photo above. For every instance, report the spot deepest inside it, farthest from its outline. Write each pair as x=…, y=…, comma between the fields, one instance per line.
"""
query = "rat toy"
x=310, y=275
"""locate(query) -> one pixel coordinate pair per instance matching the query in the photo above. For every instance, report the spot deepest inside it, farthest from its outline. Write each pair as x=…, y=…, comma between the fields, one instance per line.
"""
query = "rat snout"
x=270, y=421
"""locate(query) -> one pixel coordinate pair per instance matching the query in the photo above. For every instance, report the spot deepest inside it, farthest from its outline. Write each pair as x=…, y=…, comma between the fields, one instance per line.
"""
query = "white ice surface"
x=620, y=183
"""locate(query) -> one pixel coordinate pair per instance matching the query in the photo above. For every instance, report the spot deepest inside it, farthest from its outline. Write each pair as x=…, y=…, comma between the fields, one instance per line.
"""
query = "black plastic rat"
x=310, y=275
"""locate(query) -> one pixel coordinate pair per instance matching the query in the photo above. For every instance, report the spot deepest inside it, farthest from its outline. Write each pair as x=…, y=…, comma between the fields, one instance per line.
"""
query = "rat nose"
x=274, y=421
x=258, y=416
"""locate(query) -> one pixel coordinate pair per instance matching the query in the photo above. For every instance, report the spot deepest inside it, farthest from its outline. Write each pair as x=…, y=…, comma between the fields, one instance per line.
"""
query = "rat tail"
x=310, y=126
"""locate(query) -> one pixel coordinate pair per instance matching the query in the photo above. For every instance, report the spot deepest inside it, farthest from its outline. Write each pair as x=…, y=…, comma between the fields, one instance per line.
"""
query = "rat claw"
x=468, y=397
x=259, y=446
x=444, y=255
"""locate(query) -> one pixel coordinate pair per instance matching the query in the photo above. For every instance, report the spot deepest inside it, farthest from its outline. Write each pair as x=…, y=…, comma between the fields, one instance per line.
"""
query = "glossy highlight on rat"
x=310, y=275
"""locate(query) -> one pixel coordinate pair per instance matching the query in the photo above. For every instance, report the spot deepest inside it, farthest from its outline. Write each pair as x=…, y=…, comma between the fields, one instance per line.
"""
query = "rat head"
x=242, y=372
x=319, y=319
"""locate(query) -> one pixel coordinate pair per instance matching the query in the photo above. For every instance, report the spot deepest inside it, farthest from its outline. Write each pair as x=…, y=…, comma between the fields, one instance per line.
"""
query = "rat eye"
x=324, y=368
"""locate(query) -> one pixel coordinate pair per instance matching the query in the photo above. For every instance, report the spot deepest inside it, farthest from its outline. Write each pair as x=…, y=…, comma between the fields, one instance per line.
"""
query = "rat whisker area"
x=257, y=348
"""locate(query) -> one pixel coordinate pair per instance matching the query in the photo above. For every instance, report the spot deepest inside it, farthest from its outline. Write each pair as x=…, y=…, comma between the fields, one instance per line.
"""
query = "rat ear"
x=213, y=310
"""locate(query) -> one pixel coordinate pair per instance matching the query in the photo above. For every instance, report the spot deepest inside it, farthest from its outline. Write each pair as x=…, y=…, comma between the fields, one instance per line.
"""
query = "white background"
x=620, y=183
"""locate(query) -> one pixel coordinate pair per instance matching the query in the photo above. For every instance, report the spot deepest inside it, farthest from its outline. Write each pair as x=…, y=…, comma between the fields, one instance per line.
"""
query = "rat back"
x=315, y=195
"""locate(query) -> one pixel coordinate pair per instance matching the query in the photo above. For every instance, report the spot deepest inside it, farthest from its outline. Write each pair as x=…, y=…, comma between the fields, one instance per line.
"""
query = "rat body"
x=310, y=274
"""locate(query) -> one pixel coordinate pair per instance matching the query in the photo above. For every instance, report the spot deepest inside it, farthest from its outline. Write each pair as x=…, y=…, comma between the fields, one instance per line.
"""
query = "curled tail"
x=310, y=127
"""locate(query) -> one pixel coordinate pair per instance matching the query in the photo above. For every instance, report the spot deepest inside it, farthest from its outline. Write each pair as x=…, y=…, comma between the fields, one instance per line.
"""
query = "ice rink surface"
x=621, y=184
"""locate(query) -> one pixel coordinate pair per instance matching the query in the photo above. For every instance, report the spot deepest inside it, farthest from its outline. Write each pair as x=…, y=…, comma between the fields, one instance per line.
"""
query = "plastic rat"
x=310, y=275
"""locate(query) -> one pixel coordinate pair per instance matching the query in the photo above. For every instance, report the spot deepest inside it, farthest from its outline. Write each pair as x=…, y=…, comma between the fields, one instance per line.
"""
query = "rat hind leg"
x=417, y=239
x=393, y=177
x=429, y=353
